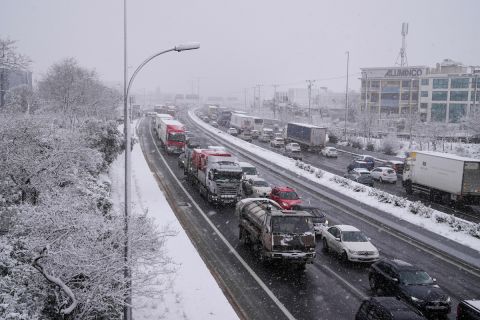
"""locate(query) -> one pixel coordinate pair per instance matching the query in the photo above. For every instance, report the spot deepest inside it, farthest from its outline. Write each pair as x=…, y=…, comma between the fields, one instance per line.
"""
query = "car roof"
x=401, y=265
x=362, y=170
x=330, y=148
x=255, y=178
x=360, y=161
x=346, y=227
x=384, y=168
x=284, y=189
x=246, y=164
x=397, y=307
x=395, y=161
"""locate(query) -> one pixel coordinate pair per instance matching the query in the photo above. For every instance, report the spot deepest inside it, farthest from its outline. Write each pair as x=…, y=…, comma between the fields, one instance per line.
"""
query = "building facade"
x=447, y=93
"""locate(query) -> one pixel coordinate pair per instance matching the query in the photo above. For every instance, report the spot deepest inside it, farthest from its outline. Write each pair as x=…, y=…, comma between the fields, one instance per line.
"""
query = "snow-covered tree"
x=10, y=60
x=76, y=93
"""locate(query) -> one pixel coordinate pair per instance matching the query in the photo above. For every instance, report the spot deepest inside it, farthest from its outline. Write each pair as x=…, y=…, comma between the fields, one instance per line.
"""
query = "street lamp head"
x=187, y=46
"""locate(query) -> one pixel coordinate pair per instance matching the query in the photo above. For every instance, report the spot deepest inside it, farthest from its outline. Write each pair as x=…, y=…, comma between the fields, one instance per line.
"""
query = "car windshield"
x=260, y=183
x=177, y=136
x=288, y=195
x=249, y=171
x=291, y=224
x=279, y=139
x=353, y=236
x=415, y=277
x=364, y=173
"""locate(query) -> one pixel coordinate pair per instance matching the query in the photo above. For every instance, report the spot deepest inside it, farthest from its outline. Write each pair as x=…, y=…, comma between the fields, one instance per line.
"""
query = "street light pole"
x=127, y=310
x=346, y=97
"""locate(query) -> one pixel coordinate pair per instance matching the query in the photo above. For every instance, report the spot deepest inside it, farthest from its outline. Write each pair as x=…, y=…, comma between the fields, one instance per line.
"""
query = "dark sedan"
x=411, y=284
x=360, y=175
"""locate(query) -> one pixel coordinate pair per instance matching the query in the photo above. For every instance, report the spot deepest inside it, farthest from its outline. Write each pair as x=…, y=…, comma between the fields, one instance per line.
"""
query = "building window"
x=425, y=82
x=390, y=96
x=415, y=96
x=375, y=84
x=406, y=96
x=459, y=95
x=477, y=98
x=392, y=83
x=424, y=94
x=439, y=95
x=459, y=83
x=374, y=97
x=478, y=82
x=439, y=112
x=423, y=106
x=406, y=83
x=440, y=83
x=456, y=111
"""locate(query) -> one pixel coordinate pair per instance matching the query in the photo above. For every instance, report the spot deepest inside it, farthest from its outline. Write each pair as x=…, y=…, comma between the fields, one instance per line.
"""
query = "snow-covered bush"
x=341, y=181
x=389, y=145
x=419, y=208
x=319, y=173
x=370, y=147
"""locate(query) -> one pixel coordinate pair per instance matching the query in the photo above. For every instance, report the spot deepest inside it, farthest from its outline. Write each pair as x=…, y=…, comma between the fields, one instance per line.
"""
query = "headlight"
x=414, y=299
x=326, y=222
x=448, y=300
x=352, y=251
x=284, y=204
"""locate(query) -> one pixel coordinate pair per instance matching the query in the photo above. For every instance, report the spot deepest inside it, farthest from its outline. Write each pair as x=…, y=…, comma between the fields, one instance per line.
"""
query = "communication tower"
x=403, y=50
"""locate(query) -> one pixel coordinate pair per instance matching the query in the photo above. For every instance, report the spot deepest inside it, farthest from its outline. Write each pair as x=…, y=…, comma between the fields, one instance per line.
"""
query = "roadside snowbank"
x=436, y=221
x=193, y=294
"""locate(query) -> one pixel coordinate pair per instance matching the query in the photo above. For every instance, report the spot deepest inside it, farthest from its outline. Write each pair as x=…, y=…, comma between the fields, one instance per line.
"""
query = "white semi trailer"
x=443, y=176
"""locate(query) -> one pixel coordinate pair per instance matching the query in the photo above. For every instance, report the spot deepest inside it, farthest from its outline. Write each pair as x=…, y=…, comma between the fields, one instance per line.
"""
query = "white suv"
x=232, y=131
x=330, y=152
x=384, y=174
x=293, y=146
x=277, y=142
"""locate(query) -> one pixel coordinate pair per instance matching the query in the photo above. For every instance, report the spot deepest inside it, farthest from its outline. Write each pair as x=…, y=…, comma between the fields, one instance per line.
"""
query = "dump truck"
x=216, y=173
x=443, y=177
x=278, y=235
x=309, y=137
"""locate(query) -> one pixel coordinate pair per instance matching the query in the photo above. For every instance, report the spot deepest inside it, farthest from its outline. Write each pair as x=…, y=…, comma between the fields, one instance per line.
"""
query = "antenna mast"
x=403, y=49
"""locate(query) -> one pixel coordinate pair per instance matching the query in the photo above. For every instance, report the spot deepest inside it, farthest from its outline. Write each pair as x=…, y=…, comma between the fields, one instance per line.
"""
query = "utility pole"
x=259, y=97
x=274, y=101
x=254, y=98
x=245, y=102
x=367, y=109
x=309, y=86
x=346, y=97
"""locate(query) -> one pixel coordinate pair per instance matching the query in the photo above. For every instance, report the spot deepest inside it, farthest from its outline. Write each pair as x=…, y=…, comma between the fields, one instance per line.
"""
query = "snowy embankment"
x=458, y=230
x=193, y=293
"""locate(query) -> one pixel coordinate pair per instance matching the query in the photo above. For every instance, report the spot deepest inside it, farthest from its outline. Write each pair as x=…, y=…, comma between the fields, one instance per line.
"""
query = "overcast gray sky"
x=243, y=42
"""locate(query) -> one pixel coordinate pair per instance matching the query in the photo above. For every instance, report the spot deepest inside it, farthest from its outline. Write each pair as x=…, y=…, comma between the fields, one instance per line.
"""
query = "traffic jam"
x=276, y=223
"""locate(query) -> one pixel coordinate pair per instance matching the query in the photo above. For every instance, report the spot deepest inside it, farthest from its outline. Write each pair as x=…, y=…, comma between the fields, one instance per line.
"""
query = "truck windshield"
x=249, y=171
x=291, y=224
x=176, y=136
x=227, y=176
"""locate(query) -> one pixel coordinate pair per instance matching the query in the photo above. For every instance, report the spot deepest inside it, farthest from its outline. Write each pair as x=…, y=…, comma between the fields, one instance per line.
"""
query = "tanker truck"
x=276, y=234
x=216, y=173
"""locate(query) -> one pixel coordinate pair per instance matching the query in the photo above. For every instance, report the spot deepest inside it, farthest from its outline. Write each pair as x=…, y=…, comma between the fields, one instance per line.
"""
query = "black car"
x=360, y=175
x=319, y=217
x=359, y=164
x=409, y=283
x=468, y=310
x=387, y=308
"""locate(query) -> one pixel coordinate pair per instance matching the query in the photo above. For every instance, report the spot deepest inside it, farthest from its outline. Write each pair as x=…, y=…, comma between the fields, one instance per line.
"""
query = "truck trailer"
x=171, y=134
x=308, y=136
x=216, y=173
x=442, y=176
x=277, y=234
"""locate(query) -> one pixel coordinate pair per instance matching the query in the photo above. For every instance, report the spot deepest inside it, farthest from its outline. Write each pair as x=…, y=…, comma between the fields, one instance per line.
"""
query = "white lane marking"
x=230, y=247
x=348, y=284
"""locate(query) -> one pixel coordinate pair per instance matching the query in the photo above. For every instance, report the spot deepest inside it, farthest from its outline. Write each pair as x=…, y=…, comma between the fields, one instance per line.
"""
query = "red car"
x=286, y=197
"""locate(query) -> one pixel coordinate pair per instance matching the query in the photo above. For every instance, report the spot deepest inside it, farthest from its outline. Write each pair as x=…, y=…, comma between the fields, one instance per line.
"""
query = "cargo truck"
x=309, y=137
x=276, y=234
x=171, y=134
x=243, y=122
x=443, y=177
x=216, y=173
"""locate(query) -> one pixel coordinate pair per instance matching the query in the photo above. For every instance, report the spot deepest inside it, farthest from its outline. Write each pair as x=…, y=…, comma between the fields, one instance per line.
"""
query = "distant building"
x=446, y=93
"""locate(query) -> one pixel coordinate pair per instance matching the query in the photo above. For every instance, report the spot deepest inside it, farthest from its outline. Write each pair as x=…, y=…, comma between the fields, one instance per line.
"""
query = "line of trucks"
x=274, y=233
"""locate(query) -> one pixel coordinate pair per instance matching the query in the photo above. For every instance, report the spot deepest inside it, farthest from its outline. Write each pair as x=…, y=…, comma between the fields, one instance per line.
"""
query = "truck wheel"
x=380, y=180
x=408, y=187
x=344, y=256
x=325, y=246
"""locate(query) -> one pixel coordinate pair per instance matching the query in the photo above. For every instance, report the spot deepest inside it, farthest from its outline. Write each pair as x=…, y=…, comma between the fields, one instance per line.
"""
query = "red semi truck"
x=171, y=134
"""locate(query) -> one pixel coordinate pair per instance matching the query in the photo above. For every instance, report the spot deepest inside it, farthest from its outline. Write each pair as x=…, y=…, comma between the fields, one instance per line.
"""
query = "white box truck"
x=442, y=176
